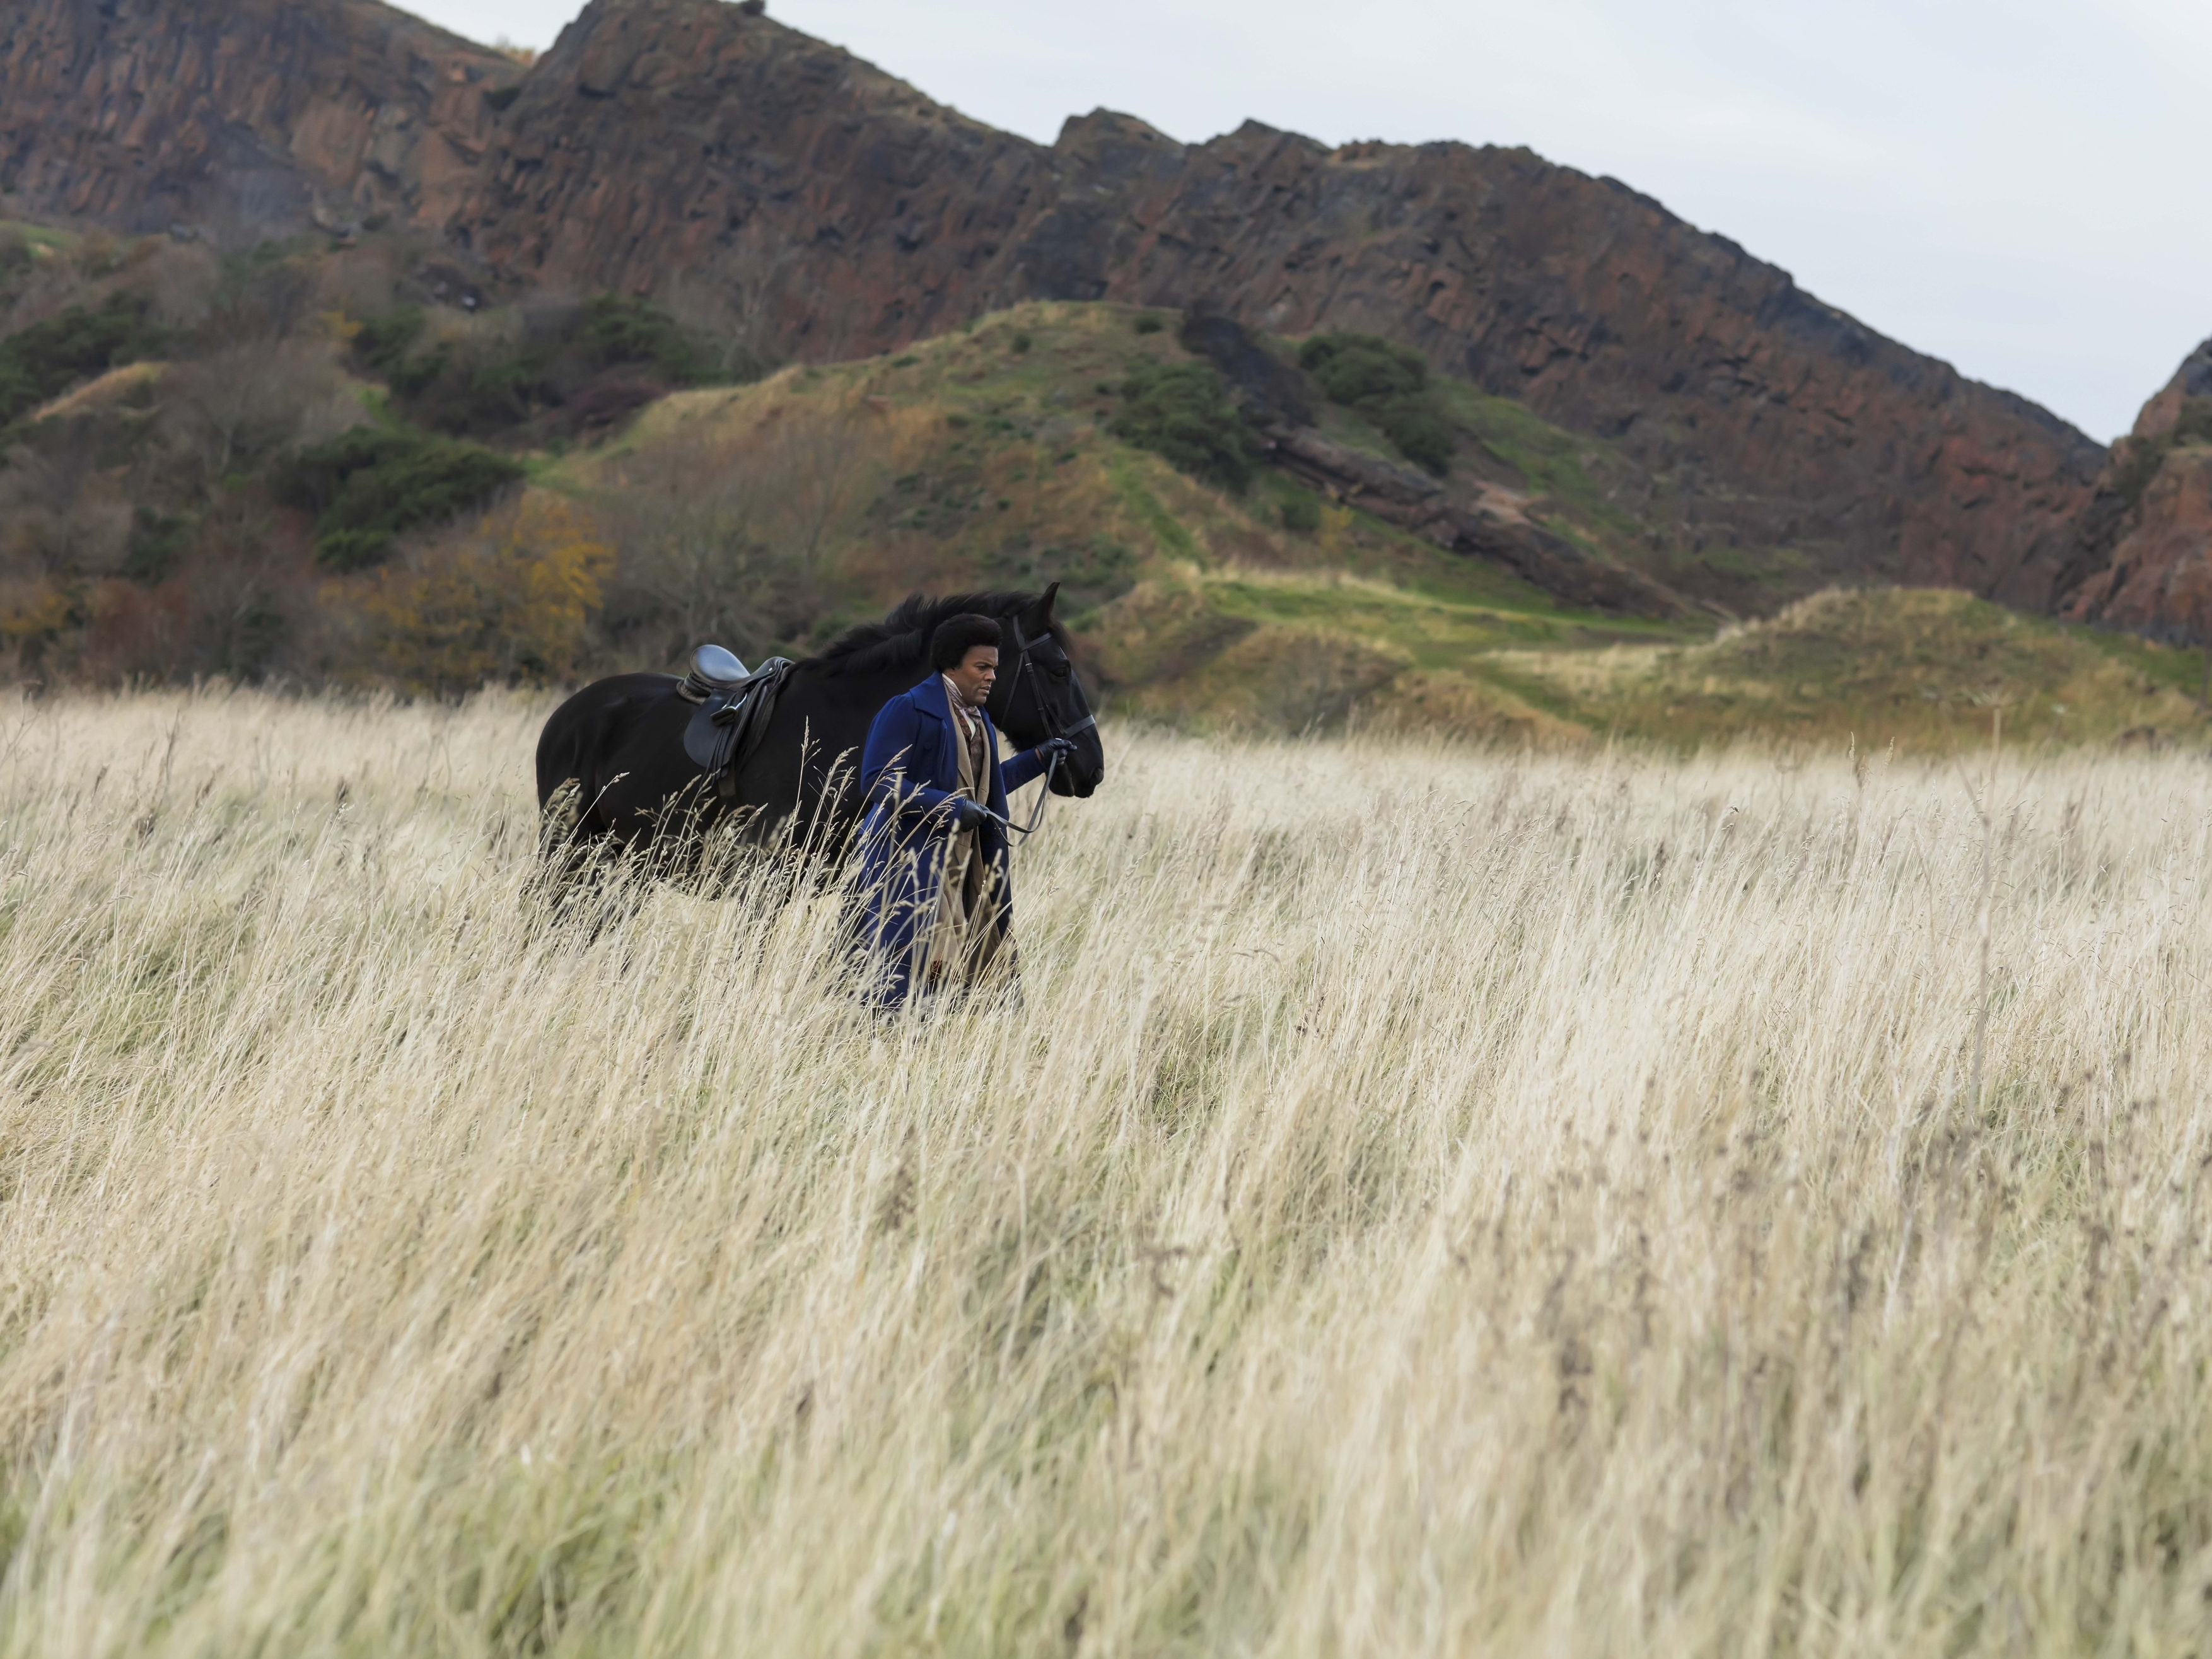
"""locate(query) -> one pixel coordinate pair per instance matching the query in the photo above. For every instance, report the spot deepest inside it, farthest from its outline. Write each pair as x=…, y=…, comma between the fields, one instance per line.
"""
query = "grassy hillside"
x=1925, y=670
x=302, y=462
x=990, y=455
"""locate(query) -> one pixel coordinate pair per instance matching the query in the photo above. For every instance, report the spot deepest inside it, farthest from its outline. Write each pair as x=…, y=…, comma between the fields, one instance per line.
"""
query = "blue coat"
x=909, y=771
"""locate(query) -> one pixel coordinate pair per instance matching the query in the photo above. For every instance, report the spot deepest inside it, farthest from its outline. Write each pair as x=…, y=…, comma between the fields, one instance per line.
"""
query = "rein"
x=1052, y=729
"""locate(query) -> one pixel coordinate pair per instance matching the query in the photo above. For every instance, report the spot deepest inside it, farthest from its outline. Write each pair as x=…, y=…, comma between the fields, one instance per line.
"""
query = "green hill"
x=300, y=462
x=1923, y=668
x=990, y=456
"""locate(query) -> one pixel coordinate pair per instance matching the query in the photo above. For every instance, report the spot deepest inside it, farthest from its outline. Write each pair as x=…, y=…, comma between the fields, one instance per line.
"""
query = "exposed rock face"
x=244, y=118
x=836, y=209
x=682, y=136
x=1778, y=423
x=831, y=210
x=2144, y=555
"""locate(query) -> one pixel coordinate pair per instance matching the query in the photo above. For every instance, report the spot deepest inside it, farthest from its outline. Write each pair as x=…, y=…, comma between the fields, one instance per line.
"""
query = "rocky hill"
x=238, y=119
x=688, y=135
x=816, y=207
x=2142, y=559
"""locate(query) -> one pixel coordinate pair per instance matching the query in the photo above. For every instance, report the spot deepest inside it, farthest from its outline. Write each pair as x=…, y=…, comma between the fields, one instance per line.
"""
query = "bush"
x=45, y=360
x=612, y=333
x=1359, y=368
x=1301, y=513
x=484, y=390
x=1021, y=343
x=2139, y=460
x=2194, y=424
x=158, y=541
x=384, y=342
x=1389, y=385
x=369, y=484
x=1423, y=436
x=1182, y=412
x=508, y=601
x=1148, y=324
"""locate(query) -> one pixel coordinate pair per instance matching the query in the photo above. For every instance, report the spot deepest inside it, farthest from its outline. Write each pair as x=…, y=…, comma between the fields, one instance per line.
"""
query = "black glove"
x=968, y=812
x=1055, y=749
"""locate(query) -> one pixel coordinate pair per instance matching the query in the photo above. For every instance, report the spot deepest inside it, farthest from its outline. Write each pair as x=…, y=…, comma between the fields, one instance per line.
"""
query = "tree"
x=510, y=598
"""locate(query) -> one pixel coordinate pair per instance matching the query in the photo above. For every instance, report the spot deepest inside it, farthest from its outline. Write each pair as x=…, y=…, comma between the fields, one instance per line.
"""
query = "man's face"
x=977, y=673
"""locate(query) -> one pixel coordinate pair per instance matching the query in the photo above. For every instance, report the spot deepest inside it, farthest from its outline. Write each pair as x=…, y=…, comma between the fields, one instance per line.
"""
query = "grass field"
x=1430, y=1201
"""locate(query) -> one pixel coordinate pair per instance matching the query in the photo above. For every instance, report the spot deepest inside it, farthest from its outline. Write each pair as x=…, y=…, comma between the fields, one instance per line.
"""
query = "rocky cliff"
x=835, y=210
x=826, y=210
x=245, y=119
x=2143, y=558
x=662, y=136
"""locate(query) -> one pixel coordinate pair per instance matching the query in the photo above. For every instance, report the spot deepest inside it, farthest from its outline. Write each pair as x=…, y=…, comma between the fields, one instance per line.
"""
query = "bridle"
x=1052, y=726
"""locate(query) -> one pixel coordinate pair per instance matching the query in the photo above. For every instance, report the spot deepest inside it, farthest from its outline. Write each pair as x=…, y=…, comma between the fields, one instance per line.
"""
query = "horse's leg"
x=587, y=875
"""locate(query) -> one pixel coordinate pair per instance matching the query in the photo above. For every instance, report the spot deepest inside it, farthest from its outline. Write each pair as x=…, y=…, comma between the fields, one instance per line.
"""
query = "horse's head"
x=1039, y=697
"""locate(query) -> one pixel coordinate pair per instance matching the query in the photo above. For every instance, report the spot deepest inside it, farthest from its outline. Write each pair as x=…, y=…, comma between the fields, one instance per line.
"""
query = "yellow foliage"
x=43, y=609
x=508, y=601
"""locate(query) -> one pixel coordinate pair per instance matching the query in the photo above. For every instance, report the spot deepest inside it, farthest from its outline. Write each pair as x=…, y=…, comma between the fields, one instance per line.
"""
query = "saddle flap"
x=731, y=720
x=701, y=735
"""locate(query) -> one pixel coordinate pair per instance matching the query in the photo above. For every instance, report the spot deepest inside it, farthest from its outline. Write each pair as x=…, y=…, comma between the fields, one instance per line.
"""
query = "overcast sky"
x=2016, y=187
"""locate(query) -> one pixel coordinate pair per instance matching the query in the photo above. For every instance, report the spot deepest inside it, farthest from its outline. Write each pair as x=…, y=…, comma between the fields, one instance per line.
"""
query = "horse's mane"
x=900, y=640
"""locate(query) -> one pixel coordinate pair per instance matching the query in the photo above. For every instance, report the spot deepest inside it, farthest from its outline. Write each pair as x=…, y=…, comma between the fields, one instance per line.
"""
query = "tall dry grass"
x=1429, y=1202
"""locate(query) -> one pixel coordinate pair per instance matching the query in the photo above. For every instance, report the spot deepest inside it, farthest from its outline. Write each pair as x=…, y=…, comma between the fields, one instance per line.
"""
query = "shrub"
x=483, y=391
x=1182, y=411
x=613, y=332
x=158, y=540
x=1021, y=343
x=384, y=342
x=2194, y=425
x=508, y=601
x=2139, y=461
x=367, y=485
x=1389, y=385
x=1301, y=512
x=1148, y=324
x=45, y=360
x=1358, y=369
x=1422, y=435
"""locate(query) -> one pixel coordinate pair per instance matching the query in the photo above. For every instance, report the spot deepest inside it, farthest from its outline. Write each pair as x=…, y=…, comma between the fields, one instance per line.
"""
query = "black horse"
x=613, y=778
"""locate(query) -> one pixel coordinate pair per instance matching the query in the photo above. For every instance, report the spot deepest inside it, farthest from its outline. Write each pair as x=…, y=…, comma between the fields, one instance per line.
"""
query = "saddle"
x=735, y=709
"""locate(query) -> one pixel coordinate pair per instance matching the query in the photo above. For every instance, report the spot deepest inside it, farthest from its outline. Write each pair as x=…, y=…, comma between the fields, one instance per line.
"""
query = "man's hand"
x=968, y=812
x=1055, y=749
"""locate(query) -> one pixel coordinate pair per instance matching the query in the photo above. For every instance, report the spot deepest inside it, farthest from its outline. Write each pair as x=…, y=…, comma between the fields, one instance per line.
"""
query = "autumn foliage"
x=508, y=599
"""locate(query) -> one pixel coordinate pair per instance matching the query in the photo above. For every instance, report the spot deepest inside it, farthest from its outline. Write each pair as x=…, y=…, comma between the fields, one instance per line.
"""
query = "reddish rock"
x=833, y=210
x=683, y=136
x=244, y=117
x=1778, y=421
x=838, y=207
x=2193, y=379
x=2143, y=558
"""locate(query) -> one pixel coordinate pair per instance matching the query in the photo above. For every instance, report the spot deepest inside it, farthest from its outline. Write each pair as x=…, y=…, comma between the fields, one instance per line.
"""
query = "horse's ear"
x=1044, y=604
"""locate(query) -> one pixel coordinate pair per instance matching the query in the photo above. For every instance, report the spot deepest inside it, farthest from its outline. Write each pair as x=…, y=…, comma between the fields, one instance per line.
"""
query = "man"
x=933, y=872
